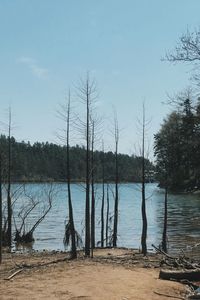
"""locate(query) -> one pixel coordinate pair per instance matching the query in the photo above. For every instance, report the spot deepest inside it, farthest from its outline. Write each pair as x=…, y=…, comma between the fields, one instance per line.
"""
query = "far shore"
x=50, y=180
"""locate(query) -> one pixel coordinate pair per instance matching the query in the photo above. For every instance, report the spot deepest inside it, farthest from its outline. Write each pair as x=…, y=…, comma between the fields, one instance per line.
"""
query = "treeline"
x=47, y=162
x=177, y=147
x=177, y=144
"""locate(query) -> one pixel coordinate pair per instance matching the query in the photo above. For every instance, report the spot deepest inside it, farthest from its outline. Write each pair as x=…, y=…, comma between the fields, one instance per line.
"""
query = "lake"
x=183, y=215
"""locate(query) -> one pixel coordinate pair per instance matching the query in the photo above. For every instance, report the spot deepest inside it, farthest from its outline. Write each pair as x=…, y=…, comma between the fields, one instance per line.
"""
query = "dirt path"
x=84, y=279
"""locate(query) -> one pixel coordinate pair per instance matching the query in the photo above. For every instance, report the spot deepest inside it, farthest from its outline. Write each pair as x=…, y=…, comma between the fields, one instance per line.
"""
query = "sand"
x=112, y=274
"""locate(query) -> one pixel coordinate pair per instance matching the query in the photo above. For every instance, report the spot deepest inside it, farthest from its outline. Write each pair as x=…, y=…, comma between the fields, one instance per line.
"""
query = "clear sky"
x=46, y=45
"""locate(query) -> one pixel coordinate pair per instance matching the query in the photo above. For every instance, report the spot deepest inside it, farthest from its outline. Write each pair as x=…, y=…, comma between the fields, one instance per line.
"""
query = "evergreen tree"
x=177, y=148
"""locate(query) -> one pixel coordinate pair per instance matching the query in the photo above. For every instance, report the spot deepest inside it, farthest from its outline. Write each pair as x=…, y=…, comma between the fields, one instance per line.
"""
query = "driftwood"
x=192, y=275
x=182, y=269
x=169, y=296
x=30, y=266
x=14, y=274
x=25, y=266
x=178, y=262
x=162, y=252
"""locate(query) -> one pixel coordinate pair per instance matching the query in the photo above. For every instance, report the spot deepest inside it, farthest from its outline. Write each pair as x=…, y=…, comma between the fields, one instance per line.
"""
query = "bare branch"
x=187, y=49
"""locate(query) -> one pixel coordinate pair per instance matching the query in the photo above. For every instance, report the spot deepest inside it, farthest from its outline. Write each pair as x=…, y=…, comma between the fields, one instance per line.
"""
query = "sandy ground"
x=112, y=274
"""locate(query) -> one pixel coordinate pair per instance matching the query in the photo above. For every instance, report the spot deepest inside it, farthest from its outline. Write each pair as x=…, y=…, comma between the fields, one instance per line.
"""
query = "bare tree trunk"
x=1, y=235
x=87, y=94
x=87, y=195
x=71, y=217
x=107, y=216
x=93, y=195
x=103, y=200
x=144, y=217
x=115, y=225
x=164, y=236
x=71, y=236
x=9, y=205
x=92, y=217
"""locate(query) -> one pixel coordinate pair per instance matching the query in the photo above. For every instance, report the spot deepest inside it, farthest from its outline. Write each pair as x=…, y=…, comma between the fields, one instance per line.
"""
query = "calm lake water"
x=183, y=215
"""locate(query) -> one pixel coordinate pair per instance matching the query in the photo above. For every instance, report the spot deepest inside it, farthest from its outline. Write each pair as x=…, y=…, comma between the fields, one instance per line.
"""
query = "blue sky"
x=47, y=45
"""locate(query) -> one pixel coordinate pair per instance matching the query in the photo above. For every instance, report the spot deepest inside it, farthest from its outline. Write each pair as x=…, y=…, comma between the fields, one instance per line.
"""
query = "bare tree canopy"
x=71, y=236
x=86, y=91
x=187, y=49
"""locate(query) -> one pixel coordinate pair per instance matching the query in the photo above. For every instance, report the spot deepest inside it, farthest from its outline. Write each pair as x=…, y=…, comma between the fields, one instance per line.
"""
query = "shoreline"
x=111, y=274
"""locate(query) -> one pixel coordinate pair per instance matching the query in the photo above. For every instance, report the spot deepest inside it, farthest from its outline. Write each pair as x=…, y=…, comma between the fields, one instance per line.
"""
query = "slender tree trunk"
x=92, y=217
x=9, y=205
x=87, y=94
x=115, y=229
x=71, y=217
x=164, y=236
x=144, y=217
x=73, y=237
x=115, y=225
x=107, y=216
x=93, y=195
x=1, y=235
x=102, y=204
x=87, y=200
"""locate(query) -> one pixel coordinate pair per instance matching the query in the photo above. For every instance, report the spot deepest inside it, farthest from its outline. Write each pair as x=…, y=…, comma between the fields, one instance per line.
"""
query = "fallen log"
x=169, y=296
x=192, y=275
x=194, y=296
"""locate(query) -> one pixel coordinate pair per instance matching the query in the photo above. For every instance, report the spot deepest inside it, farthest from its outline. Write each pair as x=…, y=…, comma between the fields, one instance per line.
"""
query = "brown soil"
x=112, y=274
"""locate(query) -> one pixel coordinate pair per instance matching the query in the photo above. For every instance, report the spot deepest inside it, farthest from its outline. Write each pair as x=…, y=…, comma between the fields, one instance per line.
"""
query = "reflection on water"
x=183, y=222
x=183, y=217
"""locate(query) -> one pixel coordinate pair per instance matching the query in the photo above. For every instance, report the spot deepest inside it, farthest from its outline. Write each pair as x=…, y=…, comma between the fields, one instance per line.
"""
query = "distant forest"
x=47, y=162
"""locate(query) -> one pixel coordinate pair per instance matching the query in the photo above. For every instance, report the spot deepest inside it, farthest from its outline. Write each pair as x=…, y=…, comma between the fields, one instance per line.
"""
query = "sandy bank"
x=112, y=274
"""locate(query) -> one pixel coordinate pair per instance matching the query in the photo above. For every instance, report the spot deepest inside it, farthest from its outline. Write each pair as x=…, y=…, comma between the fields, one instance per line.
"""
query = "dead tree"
x=43, y=203
x=9, y=204
x=7, y=226
x=95, y=128
x=21, y=235
x=71, y=216
x=47, y=195
x=87, y=94
x=164, y=235
x=116, y=200
x=143, y=207
x=107, y=215
x=71, y=236
x=93, y=192
x=87, y=199
x=69, y=229
x=103, y=198
x=1, y=213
